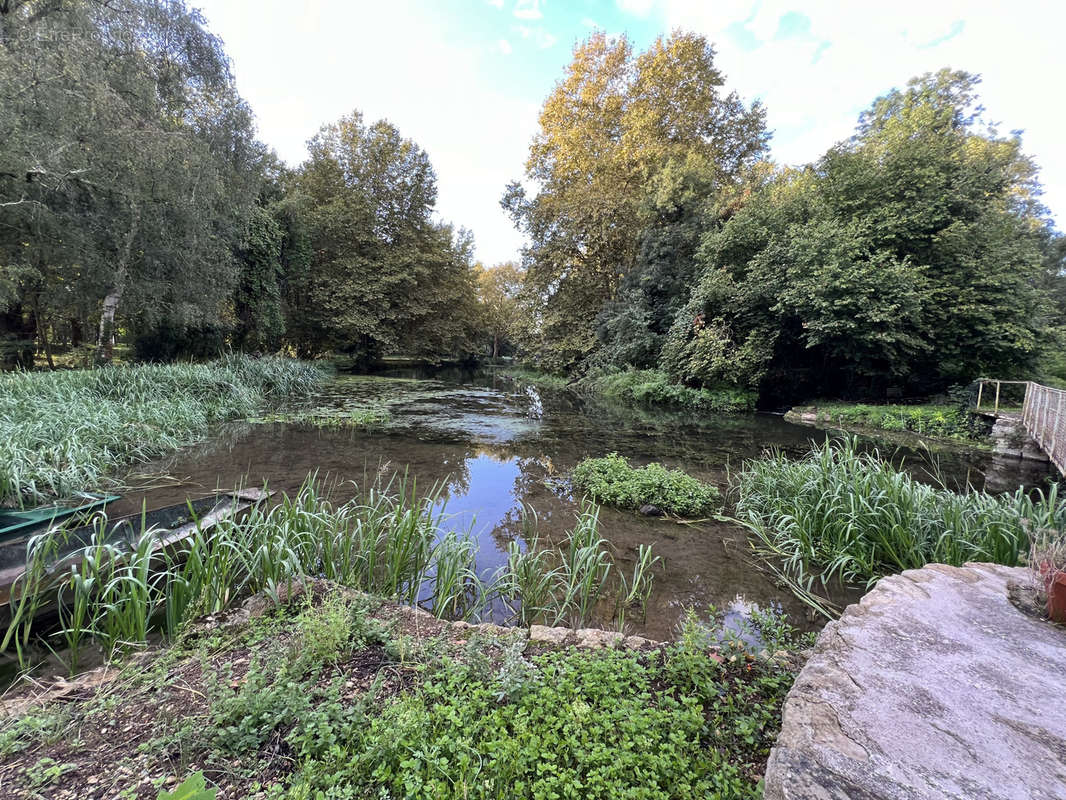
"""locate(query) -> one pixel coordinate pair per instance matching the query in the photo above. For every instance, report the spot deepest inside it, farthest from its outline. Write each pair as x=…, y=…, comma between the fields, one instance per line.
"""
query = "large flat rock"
x=932, y=686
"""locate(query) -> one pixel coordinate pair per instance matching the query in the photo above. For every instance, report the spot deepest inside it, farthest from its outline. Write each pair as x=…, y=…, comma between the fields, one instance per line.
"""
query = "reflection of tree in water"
x=539, y=509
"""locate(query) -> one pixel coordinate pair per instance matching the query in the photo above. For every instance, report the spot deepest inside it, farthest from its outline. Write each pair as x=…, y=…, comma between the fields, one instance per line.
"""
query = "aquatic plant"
x=842, y=514
x=391, y=541
x=938, y=421
x=612, y=481
x=62, y=432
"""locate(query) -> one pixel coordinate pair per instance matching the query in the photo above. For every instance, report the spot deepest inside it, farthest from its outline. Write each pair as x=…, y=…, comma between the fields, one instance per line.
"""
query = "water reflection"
x=476, y=438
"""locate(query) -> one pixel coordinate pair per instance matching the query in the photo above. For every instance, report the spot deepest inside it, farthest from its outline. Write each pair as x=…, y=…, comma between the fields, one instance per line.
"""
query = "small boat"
x=18, y=523
x=170, y=524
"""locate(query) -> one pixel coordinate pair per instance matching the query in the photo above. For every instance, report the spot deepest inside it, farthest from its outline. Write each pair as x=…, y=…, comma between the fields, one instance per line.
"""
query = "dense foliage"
x=843, y=514
x=610, y=127
x=652, y=387
x=332, y=697
x=140, y=208
x=611, y=480
x=912, y=257
x=128, y=171
x=62, y=432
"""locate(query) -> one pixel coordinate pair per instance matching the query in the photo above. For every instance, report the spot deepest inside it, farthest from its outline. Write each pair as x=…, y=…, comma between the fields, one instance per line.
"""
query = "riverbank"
x=62, y=432
x=342, y=694
x=647, y=388
x=949, y=423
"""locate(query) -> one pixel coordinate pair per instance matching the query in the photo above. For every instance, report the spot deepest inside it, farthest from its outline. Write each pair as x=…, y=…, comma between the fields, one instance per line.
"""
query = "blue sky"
x=466, y=78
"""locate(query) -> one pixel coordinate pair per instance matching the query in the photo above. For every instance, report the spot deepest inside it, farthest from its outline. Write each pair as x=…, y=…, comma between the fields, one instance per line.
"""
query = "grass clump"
x=612, y=481
x=62, y=432
x=654, y=388
x=391, y=541
x=843, y=514
x=936, y=421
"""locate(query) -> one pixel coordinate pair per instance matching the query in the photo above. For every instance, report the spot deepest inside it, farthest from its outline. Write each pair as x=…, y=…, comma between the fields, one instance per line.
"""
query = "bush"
x=651, y=387
x=612, y=481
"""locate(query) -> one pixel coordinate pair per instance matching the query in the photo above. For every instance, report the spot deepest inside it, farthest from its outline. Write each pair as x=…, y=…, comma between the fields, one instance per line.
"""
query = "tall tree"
x=128, y=166
x=611, y=125
x=383, y=276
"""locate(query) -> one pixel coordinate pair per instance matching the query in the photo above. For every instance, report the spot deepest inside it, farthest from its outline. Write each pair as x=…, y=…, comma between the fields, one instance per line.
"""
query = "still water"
x=498, y=445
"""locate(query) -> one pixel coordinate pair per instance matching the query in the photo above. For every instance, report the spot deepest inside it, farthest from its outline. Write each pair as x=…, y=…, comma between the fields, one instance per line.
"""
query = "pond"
x=498, y=445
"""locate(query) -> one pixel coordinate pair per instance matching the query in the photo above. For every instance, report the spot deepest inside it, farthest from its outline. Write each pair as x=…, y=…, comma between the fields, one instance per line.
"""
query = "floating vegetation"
x=62, y=432
x=326, y=417
x=612, y=481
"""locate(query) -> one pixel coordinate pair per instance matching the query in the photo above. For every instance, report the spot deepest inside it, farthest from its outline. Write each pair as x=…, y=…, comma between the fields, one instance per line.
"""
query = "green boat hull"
x=17, y=523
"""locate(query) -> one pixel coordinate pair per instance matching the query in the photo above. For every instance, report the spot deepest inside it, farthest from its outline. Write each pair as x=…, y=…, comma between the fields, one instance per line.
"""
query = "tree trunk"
x=42, y=336
x=495, y=346
x=105, y=340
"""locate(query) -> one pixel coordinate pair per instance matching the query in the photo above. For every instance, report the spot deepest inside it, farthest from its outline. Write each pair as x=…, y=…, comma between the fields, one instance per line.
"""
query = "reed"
x=62, y=432
x=841, y=514
x=390, y=541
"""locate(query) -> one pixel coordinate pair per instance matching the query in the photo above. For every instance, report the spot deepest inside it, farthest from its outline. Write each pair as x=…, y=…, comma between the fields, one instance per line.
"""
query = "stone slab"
x=933, y=686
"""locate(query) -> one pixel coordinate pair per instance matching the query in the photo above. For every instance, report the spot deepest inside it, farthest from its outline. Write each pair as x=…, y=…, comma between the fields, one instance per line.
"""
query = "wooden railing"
x=1043, y=415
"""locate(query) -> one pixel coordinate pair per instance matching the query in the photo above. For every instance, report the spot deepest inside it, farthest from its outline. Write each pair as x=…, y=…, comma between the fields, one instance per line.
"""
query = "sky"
x=466, y=78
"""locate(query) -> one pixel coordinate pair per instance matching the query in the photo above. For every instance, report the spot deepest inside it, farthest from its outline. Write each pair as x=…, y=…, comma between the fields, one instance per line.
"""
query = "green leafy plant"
x=613, y=481
x=840, y=513
x=192, y=788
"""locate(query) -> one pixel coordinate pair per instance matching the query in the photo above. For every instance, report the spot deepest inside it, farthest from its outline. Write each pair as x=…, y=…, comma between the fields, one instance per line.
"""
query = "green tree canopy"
x=912, y=255
x=610, y=126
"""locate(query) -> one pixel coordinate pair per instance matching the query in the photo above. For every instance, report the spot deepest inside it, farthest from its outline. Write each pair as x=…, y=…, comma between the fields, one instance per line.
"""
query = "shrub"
x=651, y=387
x=612, y=481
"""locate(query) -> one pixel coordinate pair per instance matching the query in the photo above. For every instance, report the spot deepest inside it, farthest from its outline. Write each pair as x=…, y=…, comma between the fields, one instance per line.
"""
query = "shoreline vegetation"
x=841, y=514
x=335, y=693
x=62, y=432
x=390, y=540
x=945, y=422
x=647, y=388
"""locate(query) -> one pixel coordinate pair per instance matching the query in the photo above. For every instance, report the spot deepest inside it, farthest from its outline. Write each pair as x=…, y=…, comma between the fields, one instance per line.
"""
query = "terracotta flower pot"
x=1056, y=596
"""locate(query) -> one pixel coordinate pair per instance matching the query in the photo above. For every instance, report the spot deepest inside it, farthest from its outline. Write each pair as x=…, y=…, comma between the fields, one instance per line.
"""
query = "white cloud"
x=639, y=8
x=504, y=47
x=496, y=3
x=528, y=9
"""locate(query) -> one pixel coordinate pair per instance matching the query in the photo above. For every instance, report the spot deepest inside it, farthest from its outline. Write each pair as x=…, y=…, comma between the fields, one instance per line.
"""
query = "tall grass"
x=840, y=514
x=390, y=541
x=61, y=432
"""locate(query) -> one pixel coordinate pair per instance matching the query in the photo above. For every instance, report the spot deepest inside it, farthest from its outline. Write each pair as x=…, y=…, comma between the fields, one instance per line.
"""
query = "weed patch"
x=613, y=481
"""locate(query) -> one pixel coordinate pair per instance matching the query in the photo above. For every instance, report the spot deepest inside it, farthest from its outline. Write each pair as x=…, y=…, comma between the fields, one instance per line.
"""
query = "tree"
x=382, y=275
x=498, y=290
x=610, y=126
x=912, y=255
x=128, y=165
